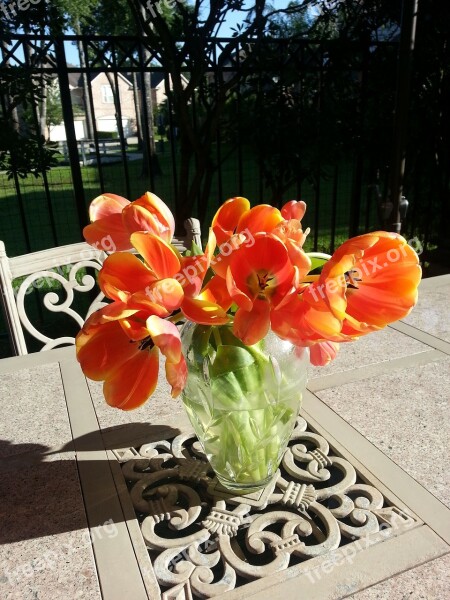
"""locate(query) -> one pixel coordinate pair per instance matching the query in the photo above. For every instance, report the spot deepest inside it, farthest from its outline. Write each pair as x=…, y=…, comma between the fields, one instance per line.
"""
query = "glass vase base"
x=243, y=488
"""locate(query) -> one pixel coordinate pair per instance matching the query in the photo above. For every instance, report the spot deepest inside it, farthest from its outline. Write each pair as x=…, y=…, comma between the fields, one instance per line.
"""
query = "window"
x=107, y=95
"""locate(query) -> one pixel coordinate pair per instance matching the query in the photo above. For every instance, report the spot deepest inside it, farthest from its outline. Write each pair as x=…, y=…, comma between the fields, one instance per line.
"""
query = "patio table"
x=71, y=528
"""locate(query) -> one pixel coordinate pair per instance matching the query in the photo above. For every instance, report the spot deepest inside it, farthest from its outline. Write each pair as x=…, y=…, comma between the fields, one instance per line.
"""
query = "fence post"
x=69, y=125
x=397, y=166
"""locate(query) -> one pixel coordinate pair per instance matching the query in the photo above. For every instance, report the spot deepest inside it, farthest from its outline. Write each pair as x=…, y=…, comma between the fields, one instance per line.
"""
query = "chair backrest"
x=65, y=267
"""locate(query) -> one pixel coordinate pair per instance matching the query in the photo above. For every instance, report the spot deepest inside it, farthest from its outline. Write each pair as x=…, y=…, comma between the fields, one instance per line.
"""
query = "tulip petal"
x=192, y=273
x=134, y=381
x=261, y=218
x=252, y=326
x=202, y=311
x=105, y=205
x=227, y=217
x=216, y=292
x=166, y=336
x=322, y=353
x=137, y=218
x=294, y=210
x=123, y=274
x=176, y=375
x=111, y=312
x=108, y=234
x=242, y=299
x=159, y=256
x=156, y=206
x=134, y=327
x=160, y=298
x=101, y=349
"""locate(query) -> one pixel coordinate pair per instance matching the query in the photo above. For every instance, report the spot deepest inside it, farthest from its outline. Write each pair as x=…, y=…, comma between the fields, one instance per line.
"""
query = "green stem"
x=217, y=338
x=175, y=317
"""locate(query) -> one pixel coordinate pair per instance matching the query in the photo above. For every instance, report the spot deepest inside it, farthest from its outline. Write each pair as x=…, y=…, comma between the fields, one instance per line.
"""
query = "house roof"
x=75, y=80
x=156, y=78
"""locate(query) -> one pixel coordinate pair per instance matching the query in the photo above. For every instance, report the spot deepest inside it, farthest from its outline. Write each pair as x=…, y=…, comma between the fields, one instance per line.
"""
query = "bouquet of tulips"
x=253, y=276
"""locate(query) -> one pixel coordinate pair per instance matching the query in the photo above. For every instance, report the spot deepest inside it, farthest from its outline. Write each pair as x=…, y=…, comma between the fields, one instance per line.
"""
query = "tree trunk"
x=137, y=108
x=85, y=83
x=150, y=162
x=9, y=109
x=42, y=109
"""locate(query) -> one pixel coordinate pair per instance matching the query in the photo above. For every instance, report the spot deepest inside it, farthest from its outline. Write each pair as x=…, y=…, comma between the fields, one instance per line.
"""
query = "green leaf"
x=200, y=341
x=317, y=263
x=194, y=251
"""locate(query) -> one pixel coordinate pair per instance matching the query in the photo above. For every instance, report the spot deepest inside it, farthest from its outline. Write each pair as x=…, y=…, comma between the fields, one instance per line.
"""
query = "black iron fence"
x=302, y=119
x=275, y=120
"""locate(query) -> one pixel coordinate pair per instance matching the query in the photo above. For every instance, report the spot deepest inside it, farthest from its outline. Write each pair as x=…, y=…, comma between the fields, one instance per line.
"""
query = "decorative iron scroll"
x=75, y=281
x=204, y=541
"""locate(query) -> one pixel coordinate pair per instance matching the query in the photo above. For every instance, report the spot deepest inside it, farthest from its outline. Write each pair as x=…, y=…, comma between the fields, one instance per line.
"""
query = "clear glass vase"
x=242, y=401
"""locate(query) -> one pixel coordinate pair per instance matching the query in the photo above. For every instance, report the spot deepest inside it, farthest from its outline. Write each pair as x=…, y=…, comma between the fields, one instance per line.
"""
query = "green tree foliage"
x=208, y=93
x=24, y=106
x=22, y=149
x=54, y=114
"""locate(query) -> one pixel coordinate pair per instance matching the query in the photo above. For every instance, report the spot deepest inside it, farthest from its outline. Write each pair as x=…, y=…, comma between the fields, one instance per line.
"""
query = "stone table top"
x=66, y=528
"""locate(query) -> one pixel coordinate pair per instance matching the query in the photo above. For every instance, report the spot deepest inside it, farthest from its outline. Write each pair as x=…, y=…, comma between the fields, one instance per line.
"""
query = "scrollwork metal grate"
x=204, y=541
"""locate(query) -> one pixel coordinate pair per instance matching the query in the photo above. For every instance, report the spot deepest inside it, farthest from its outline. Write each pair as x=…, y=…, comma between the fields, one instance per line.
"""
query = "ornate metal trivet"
x=203, y=541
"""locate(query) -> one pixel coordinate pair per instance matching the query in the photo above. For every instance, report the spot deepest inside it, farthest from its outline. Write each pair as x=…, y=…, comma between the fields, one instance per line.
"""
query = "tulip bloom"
x=260, y=273
x=164, y=278
x=305, y=323
x=236, y=224
x=259, y=279
x=322, y=353
x=122, y=349
x=114, y=219
x=225, y=220
x=369, y=282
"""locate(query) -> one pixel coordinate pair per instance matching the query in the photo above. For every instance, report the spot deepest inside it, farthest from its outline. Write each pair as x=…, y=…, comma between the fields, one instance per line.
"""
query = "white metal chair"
x=45, y=268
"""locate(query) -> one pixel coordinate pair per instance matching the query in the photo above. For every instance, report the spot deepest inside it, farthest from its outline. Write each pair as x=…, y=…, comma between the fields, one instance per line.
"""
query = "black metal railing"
x=299, y=119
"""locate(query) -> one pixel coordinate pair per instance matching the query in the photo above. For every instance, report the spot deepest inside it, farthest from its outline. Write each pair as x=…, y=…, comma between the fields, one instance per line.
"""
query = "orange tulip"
x=304, y=323
x=243, y=225
x=225, y=220
x=259, y=279
x=369, y=282
x=114, y=350
x=294, y=210
x=259, y=219
x=189, y=272
x=127, y=279
x=115, y=218
x=322, y=353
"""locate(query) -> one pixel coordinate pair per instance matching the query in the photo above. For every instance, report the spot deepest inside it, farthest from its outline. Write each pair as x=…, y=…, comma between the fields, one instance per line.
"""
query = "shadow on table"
x=40, y=493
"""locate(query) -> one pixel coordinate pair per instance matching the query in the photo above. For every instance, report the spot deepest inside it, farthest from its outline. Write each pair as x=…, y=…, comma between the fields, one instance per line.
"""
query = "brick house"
x=103, y=102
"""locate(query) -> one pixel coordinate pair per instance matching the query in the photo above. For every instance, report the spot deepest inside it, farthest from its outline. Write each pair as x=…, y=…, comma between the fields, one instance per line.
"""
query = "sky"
x=233, y=19
x=236, y=17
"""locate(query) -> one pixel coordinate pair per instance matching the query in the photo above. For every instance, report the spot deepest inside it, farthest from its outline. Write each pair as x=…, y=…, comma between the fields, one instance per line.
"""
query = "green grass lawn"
x=63, y=206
